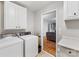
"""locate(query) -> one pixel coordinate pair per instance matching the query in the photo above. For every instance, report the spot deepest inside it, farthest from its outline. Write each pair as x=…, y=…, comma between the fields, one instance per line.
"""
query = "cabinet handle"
x=74, y=13
x=16, y=26
x=69, y=52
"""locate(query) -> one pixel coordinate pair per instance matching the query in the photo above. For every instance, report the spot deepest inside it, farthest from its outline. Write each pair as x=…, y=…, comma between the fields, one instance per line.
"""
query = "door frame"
x=42, y=16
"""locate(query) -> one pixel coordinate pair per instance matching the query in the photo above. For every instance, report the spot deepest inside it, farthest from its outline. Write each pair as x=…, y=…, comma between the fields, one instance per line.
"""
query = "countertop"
x=70, y=42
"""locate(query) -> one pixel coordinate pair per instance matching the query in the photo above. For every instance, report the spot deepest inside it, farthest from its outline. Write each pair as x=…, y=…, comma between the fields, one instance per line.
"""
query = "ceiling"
x=50, y=17
x=36, y=5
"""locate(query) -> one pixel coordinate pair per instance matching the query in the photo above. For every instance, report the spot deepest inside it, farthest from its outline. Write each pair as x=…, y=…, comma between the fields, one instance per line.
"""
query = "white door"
x=31, y=46
x=9, y=15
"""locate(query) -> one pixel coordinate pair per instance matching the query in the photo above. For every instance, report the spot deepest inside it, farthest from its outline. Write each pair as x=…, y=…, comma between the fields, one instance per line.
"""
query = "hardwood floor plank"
x=49, y=46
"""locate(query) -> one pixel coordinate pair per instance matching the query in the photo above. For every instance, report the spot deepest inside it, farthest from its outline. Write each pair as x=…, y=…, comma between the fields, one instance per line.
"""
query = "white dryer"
x=31, y=45
x=11, y=47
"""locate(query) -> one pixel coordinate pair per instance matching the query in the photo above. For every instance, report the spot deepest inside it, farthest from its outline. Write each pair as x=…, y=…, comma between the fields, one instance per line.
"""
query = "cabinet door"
x=71, y=9
x=21, y=17
x=9, y=15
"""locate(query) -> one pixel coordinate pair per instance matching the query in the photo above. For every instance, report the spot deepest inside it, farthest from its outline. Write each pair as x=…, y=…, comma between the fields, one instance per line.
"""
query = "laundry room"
x=20, y=28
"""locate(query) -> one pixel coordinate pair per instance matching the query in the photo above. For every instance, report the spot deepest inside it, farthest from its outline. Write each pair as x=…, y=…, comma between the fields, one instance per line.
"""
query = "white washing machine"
x=11, y=47
x=31, y=45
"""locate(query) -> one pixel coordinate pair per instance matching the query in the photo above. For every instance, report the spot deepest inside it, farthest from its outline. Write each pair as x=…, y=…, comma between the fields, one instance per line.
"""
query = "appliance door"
x=15, y=50
x=31, y=47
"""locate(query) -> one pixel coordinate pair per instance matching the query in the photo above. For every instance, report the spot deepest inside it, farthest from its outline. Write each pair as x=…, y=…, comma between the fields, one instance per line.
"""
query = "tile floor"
x=44, y=54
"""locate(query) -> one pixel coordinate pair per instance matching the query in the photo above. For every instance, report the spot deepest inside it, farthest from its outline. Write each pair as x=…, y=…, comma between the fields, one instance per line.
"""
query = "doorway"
x=48, y=32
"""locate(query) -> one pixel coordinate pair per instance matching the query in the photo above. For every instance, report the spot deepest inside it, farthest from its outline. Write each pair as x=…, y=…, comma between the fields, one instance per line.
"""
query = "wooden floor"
x=49, y=46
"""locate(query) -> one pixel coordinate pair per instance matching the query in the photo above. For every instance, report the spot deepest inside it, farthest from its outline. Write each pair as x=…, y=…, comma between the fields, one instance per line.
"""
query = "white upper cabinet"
x=9, y=16
x=71, y=10
x=21, y=15
x=15, y=16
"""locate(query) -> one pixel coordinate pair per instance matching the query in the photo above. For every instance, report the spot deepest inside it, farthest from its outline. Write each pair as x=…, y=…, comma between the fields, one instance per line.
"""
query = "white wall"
x=60, y=25
x=37, y=23
x=60, y=21
x=30, y=21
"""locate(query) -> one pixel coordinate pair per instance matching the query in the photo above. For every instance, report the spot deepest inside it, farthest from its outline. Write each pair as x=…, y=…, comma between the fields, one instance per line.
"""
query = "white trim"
x=43, y=13
x=48, y=53
x=42, y=31
x=49, y=11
